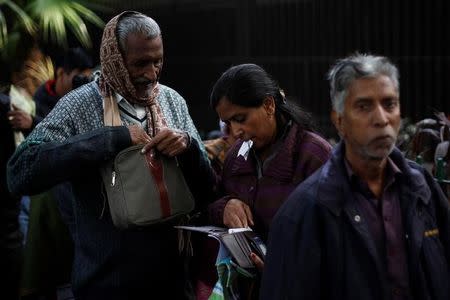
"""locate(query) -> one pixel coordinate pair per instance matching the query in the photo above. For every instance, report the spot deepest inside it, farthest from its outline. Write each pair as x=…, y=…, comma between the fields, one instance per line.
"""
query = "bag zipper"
x=113, y=178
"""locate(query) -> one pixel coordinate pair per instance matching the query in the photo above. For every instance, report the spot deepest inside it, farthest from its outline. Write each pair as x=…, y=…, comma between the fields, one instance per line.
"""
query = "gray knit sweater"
x=70, y=144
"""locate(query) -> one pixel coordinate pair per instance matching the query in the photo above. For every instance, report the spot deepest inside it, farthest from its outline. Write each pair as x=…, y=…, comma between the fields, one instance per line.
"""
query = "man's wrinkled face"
x=370, y=121
x=143, y=60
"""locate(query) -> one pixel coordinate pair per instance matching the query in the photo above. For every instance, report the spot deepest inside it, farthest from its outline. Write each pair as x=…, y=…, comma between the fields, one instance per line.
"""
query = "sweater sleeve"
x=175, y=107
x=215, y=210
x=55, y=152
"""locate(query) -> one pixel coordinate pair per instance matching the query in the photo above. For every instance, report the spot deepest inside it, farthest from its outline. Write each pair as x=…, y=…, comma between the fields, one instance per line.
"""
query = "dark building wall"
x=297, y=41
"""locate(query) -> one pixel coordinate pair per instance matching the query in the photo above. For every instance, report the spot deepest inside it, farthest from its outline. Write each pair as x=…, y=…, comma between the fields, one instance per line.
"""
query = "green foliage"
x=26, y=23
x=21, y=17
x=53, y=16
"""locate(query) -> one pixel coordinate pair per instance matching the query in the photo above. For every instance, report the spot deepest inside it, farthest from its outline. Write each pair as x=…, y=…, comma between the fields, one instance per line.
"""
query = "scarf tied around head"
x=115, y=79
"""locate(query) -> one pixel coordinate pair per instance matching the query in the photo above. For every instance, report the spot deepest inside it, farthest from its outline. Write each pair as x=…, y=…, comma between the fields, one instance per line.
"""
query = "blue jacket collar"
x=334, y=187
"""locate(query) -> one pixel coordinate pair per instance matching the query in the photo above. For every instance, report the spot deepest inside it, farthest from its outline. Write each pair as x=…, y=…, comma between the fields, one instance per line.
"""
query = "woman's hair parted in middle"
x=248, y=85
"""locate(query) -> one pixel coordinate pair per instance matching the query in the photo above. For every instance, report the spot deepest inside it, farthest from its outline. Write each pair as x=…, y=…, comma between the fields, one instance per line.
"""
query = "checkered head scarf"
x=115, y=78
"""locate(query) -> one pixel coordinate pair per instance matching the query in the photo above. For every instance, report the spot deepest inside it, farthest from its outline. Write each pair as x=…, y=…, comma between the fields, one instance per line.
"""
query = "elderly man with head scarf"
x=72, y=143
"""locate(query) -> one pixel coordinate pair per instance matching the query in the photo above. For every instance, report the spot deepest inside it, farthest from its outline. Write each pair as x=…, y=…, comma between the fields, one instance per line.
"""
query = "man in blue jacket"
x=369, y=224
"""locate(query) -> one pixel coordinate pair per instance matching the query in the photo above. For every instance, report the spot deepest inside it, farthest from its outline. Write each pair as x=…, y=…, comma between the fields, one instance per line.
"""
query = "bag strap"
x=156, y=168
x=111, y=115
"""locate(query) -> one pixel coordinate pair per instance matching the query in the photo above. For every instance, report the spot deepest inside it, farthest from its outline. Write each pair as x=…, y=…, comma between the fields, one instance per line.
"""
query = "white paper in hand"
x=245, y=149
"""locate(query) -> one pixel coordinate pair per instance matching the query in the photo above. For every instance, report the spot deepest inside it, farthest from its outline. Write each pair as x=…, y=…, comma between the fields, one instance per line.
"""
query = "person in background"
x=72, y=144
x=217, y=148
x=47, y=217
x=276, y=150
x=74, y=64
x=10, y=234
x=369, y=224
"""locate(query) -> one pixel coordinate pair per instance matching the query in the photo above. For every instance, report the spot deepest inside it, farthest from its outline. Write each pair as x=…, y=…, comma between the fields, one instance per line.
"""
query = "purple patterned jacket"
x=300, y=154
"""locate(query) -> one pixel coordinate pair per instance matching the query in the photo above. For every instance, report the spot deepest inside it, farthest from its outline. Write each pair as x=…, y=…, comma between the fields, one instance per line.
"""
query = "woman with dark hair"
x=275, y=151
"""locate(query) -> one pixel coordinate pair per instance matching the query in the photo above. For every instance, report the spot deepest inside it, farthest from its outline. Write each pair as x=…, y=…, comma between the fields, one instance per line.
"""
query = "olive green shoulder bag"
x=143, y=189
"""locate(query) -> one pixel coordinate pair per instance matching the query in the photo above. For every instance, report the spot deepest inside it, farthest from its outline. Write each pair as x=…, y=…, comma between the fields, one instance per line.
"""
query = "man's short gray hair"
x=136, y=23
x=357, y=66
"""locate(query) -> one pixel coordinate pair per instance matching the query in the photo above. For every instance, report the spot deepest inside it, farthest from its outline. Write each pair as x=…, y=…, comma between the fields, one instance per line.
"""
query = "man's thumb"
x=14, y=107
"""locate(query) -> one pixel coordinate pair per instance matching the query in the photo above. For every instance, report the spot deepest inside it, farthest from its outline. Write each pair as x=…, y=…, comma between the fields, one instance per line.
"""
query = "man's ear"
x=269, y=105
x=59, y=72
x=336, y=118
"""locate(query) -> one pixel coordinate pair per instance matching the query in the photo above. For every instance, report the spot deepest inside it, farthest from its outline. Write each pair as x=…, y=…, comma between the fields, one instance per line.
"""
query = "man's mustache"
x=142, y=80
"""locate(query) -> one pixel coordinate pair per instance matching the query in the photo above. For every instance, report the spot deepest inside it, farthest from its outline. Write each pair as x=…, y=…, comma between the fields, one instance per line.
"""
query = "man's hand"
x=19, y=119
x=257, y=261
x=169, y=142
x=237, y=214
x=138, y=135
